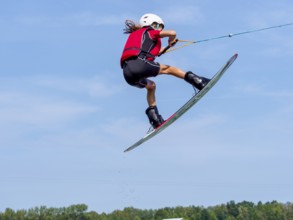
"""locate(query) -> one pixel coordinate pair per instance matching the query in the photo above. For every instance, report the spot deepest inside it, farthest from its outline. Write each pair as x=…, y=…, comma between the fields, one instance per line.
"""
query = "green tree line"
x=229, y=211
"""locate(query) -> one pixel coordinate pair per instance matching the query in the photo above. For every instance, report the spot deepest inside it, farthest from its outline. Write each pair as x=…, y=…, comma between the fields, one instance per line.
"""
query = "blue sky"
x=66, y=113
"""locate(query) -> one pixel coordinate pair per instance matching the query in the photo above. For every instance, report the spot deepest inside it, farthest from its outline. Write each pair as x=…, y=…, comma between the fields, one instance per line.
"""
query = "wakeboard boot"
x=154, y=117
x=195, y=80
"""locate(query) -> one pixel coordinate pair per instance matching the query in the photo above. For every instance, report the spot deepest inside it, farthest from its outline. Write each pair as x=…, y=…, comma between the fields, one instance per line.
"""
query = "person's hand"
x=171, y=43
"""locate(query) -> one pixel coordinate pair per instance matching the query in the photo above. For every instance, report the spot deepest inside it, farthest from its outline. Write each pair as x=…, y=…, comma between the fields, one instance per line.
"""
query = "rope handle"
x=168, y=48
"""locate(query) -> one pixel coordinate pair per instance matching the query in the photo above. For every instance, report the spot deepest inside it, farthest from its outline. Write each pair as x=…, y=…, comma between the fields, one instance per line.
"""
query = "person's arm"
x=171, y=41
x=169, y=33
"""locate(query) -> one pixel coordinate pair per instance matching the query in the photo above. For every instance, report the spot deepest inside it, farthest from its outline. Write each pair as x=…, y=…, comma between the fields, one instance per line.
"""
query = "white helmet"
x=149, y=19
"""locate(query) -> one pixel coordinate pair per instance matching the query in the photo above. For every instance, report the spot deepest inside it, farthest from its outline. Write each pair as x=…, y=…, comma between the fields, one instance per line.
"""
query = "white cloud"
x=46, y=100
x=263, y=90
x=93, y=86
x=37, y=109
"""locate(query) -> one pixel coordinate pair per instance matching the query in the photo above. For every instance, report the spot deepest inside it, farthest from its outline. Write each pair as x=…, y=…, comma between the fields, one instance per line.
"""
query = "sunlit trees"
x=229, y=211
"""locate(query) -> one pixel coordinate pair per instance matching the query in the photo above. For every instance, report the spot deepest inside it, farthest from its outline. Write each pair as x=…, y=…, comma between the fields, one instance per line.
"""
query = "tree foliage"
x=229, y=211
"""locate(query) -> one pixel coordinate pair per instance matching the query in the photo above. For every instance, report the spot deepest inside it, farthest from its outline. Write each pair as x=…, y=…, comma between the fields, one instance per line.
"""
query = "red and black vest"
x=145, y=43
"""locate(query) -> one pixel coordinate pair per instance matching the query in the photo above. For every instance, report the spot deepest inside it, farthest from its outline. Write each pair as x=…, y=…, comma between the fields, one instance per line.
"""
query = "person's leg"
x=152, y=111
x=154, y=117
x=171, y=70
x=136, y=73
x=193, y=79
x=151, y=93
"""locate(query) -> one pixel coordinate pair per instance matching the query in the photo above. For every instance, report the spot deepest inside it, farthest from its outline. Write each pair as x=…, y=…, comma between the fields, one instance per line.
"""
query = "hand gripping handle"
x=168, y=47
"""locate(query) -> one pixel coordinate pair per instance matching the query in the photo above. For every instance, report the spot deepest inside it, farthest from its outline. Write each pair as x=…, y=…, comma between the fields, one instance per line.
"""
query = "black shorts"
x=136, y=71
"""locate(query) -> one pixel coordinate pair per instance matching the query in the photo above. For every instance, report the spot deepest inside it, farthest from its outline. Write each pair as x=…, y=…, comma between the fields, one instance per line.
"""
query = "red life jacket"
x=145, y=42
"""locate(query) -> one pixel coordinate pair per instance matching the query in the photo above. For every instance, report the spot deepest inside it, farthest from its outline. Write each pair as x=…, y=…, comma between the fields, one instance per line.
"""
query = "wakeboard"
x=186, y=106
